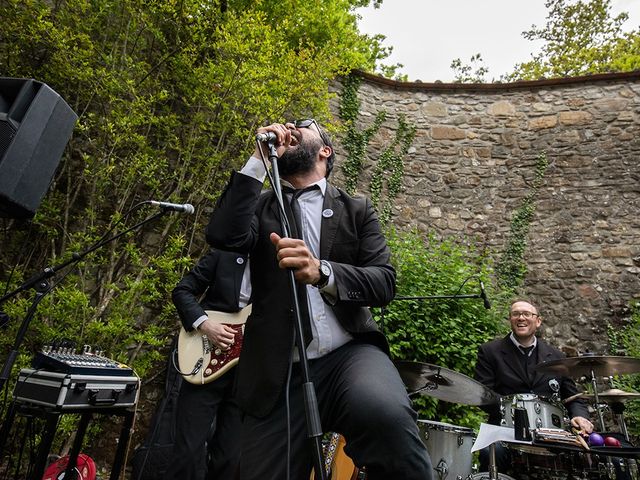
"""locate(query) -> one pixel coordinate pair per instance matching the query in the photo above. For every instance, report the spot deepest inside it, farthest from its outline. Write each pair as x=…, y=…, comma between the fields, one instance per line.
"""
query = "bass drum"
x=449, y=447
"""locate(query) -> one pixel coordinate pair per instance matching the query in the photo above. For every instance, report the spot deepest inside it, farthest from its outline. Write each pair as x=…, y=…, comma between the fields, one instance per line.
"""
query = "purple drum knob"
x=596, y=440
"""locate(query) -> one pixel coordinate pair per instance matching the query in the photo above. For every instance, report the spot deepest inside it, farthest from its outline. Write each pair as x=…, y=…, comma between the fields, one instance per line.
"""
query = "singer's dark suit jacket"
x=218, y=275
x=351, y=240
x=500, y=368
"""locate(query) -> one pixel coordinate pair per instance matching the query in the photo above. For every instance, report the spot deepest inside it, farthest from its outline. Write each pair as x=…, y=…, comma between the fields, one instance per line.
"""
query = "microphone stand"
x=314, y=427
x=39, y=282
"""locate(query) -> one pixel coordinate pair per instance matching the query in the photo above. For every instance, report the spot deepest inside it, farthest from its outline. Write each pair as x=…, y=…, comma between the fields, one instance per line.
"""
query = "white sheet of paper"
x=489, y=434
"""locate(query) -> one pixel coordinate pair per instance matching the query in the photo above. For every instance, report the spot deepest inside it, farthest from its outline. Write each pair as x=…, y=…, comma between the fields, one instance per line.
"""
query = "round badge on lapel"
x=239, y=260
x=327, y=213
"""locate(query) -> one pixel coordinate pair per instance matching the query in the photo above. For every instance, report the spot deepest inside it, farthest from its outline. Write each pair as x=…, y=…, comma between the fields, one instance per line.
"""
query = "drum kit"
x=450, y=446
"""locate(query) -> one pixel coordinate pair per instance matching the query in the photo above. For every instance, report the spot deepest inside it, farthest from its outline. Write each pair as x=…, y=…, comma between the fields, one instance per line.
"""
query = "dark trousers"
x=202, y=411
x=360, y=395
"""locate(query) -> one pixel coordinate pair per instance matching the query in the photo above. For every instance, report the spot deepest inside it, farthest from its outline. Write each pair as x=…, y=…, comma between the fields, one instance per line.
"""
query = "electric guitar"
x=199, y=360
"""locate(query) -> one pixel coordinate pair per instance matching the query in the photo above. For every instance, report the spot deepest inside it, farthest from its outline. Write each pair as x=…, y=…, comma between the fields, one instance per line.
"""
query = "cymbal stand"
x=617, y=409
x=594, y=384
x=493, y=468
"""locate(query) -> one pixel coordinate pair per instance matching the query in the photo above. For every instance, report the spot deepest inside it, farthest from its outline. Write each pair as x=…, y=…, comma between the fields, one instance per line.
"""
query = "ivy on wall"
x=511, y=267
x=389, y=167
x=355, y=141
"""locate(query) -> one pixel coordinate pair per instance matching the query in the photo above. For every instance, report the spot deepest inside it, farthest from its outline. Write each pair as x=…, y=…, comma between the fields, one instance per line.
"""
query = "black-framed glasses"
x=526, y=315
x=306, y=123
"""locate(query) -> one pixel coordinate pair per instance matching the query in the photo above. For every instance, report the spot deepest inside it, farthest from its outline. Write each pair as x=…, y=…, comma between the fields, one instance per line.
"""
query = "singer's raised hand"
x=283, y=139
x=294, y=253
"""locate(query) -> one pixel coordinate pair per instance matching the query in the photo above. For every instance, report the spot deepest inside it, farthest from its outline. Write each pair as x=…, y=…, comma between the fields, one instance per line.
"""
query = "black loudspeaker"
x=35, y=126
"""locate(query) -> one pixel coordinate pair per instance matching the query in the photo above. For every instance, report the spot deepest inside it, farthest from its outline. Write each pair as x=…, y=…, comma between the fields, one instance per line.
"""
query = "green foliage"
x=464, y=73
x=355, y=141
x=626, y=341
x=580, y=38
x=389, y=170
x=444, y=332
x=168, y=95
x=512, y=267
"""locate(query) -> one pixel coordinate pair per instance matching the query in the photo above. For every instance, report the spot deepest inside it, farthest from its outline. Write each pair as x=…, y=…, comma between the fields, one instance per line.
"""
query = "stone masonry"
x=472, y=163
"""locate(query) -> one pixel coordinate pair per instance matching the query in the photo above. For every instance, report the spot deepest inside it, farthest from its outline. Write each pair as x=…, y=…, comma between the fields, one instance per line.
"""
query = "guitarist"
x=223, y=278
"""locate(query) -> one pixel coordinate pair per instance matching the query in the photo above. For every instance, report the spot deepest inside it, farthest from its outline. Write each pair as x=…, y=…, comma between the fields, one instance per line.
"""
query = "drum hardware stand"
x=617, y=409
x=493, y=469
x=314, y=426
x=594, y=384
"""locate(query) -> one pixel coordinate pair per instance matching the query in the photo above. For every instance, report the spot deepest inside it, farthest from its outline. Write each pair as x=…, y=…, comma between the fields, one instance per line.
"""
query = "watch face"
x=325, y=269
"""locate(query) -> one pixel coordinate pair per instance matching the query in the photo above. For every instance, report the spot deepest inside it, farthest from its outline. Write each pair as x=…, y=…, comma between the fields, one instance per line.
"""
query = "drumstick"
x=580, y=439
x=572, y=398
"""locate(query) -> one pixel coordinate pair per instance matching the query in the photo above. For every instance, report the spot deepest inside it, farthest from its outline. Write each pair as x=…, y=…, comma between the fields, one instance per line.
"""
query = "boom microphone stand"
x=314, y=427
x=482, y=295
x=39, y=282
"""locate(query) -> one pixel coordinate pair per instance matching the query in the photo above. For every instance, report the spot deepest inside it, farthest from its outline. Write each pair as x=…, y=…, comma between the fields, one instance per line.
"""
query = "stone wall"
x=472, y=163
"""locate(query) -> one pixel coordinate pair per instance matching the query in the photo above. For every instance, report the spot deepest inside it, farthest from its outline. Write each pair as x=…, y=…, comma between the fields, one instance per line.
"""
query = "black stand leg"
x=123, y=443
x=6, y=426
x=70, y=471
x=45, y=444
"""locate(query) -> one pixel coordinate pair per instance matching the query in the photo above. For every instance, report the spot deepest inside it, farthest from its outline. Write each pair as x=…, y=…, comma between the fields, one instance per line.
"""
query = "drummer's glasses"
x=306, y=123
x=526, y=315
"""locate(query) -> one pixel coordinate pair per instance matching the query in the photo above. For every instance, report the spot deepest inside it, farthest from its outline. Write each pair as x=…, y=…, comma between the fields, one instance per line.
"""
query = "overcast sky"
x=426, y=35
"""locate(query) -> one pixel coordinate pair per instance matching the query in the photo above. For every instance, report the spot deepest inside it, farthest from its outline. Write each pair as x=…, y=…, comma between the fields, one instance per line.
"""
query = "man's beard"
x=299, y=159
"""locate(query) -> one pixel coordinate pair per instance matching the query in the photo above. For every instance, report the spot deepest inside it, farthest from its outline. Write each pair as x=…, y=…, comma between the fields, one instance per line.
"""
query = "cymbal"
x=608, y=396
x=601, y=366
x=444, y=384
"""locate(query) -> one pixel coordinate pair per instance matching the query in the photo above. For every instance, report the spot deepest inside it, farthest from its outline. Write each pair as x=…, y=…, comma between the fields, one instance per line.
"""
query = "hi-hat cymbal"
x=601, y=366
x=444, y=384
x=608, y=396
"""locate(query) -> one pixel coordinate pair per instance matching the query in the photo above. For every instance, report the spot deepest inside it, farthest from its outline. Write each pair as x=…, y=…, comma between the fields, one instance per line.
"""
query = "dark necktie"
x=526, y=351
x=295, y=206
x=301, y=288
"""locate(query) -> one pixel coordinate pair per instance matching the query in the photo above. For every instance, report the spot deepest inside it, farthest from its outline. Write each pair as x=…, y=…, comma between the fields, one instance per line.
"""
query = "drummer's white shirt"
x=519, y=345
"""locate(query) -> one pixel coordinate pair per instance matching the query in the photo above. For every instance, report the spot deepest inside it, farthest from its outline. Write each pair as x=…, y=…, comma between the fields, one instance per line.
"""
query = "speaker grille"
x=7, y=132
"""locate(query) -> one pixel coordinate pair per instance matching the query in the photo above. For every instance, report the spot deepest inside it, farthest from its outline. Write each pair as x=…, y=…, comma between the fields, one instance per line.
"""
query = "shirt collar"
x=322, y=184
x=519, y=345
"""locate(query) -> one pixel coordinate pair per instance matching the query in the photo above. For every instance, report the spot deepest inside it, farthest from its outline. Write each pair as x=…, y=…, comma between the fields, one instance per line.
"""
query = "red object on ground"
x=85, y=468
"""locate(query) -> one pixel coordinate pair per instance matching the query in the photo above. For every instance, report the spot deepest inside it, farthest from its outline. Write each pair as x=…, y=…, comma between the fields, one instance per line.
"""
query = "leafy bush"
x=627, y=341
x=443, y=332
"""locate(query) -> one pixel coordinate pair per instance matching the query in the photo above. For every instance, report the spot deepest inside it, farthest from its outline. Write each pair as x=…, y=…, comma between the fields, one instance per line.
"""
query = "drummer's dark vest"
x=528, y=363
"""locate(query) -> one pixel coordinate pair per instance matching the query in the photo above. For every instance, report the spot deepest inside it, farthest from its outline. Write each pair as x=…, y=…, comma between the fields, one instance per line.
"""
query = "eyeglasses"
x=526, y=315
x=306, y=123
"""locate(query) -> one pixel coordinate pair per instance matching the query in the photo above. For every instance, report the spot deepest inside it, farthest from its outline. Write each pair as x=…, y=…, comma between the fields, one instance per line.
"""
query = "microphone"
x=268, y=137
x=483, y=296
x=186, y=208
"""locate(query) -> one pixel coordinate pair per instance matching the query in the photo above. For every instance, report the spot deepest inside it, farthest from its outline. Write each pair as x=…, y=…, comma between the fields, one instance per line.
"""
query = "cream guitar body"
x=199, y=360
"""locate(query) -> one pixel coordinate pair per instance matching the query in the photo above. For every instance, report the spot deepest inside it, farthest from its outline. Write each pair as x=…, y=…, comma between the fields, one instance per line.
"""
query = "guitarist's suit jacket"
x=352, y=242
x=217, y=275
x=499, y=367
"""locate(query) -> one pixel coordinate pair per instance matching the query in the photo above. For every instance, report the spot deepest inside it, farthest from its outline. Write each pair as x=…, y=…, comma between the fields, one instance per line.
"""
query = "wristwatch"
x=325, y=273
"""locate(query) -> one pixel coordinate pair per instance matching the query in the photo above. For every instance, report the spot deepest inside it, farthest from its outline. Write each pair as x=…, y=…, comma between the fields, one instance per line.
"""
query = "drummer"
x=507, y=366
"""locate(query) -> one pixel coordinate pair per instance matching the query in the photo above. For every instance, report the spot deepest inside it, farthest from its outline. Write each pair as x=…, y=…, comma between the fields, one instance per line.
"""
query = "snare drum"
x=449, y=447
x=541, y=412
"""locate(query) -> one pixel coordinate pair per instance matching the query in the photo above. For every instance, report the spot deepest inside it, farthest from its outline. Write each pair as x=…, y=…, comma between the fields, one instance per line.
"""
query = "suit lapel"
x=544, y=354
x=512, y=360
x=332, y=211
